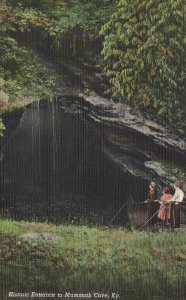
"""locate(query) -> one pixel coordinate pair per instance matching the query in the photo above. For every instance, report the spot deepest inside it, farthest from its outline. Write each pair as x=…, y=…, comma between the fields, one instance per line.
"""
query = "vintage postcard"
x=92, y=149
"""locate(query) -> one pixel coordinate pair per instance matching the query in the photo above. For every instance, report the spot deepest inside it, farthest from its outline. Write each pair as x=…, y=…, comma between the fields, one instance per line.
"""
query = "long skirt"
x=165, y=212
x=175, y=215
x=152, y=208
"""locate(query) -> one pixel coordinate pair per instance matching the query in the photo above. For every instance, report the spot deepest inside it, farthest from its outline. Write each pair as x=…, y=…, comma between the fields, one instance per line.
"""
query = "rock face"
x=83, y=156
x=141, y=123
x=150, y=135
x=147, y=134
x=46, y=236
x=130, y=138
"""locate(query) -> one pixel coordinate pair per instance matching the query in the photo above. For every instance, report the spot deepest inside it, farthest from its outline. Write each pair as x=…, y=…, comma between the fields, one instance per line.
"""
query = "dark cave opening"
x=54, y=168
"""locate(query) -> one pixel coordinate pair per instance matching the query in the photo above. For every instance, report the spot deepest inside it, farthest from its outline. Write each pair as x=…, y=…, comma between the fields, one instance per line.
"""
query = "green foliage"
x=22, y=72
x=19, y=66
x=144, y=55
x=67, y=14
x=138, y=265
x=16, y=18
x=85, y=15
x=143, y=47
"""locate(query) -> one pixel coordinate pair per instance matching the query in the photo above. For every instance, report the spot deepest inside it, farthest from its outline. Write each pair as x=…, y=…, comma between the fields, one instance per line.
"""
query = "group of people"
x=168, y=204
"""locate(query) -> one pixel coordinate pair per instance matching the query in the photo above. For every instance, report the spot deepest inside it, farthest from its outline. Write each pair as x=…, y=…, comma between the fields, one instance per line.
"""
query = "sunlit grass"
x=138, y=265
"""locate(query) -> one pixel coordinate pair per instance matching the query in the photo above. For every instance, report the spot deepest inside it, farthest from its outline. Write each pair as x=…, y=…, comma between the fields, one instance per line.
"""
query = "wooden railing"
x=139, y=213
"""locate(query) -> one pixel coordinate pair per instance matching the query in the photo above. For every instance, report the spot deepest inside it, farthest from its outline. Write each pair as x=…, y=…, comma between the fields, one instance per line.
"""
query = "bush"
x=144, y=56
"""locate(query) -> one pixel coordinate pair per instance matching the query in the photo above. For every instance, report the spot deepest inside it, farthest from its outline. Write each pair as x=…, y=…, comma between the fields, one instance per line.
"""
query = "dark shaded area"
x=54, y=168
x=11, y=120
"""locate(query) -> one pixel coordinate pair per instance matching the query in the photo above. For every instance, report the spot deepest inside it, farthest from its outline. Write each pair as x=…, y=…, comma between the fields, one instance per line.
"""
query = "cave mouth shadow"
x=54, y=169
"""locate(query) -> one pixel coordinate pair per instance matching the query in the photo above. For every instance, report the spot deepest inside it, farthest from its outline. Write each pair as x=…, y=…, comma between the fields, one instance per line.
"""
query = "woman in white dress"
x=175, y=206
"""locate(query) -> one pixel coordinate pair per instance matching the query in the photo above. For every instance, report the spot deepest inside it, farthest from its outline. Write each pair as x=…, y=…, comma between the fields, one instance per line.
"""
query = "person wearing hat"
x=152, y=194
x=175, y=204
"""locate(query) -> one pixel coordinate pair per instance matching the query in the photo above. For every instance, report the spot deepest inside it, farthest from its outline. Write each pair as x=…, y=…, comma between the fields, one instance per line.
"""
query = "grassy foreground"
x=41, y=257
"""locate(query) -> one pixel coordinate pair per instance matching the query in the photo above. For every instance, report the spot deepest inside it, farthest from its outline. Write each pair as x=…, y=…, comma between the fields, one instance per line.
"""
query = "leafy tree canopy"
x=144, y=55
x=143, y=49
x=14, y=18
x=58, y=16
x=19, y=66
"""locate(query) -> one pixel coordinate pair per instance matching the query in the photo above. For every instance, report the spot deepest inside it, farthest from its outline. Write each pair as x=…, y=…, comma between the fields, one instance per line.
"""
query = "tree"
x=144, y=55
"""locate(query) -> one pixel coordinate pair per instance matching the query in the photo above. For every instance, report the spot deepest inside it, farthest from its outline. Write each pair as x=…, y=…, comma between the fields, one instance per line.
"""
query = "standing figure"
x=152, y=205
x=175, y=206
x=165, y=208
x=153, y=193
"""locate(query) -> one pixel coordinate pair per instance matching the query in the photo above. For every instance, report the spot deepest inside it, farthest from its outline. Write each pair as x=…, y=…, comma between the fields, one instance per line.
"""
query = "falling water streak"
x=39, y=135
x=54, y=148
x=72, y=161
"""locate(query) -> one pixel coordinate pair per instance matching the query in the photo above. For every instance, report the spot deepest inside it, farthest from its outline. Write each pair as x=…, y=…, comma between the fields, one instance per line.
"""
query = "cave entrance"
x=54, y=168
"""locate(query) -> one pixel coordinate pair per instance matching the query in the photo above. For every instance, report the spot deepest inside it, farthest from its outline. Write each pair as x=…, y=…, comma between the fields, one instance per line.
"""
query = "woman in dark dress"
x=152, y=205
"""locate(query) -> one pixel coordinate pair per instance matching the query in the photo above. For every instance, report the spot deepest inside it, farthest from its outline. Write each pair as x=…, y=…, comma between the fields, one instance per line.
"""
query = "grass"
x=137, y=265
